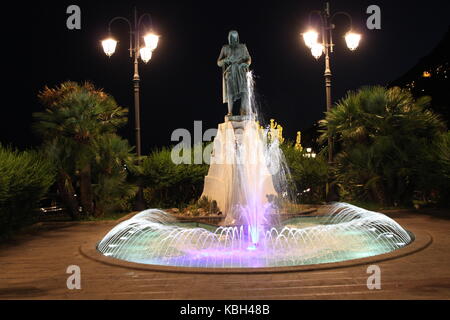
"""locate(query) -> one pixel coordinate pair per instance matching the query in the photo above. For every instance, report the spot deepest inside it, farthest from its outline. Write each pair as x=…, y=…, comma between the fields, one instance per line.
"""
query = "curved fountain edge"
x=422, y=239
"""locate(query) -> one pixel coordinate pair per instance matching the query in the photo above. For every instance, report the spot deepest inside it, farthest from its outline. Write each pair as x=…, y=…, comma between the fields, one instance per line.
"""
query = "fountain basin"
x=348, y=233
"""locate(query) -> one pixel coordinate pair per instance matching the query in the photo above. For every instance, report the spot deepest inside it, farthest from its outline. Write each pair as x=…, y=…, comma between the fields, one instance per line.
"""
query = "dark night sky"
x=182, y=83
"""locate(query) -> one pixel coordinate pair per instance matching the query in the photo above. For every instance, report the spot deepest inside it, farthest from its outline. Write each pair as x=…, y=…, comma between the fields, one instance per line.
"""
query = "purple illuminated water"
x=348, y=232
x=251, y=237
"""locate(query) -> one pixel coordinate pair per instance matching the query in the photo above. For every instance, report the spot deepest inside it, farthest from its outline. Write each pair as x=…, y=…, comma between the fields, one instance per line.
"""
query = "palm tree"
x=76, y=116
x=382, y=135
x=113, y=161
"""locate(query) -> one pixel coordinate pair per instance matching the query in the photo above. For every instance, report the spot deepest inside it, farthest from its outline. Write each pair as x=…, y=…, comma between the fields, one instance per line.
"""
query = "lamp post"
x=136, y=52
x=325, y=46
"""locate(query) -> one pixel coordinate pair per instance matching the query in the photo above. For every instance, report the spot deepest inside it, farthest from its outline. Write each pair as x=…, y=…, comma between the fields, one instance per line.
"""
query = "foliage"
x=202, y=206
x=308, y=175
x=168, y=184
x=25, y=178
x=78, y=112
x=434, y=186
x=386, y=140
x=114, y=160
x=78, y=126
x=208, y=205
x=443, y=151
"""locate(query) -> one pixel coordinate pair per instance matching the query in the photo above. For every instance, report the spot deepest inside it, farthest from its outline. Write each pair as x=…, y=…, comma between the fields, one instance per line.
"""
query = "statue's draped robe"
x=234, y=80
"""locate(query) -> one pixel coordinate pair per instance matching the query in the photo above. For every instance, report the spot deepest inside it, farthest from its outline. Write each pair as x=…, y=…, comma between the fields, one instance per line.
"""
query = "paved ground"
x=33, y=266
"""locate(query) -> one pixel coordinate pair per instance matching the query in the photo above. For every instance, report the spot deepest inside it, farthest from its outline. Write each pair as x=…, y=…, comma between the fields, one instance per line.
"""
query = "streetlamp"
x=136, y=51
x=311, y=39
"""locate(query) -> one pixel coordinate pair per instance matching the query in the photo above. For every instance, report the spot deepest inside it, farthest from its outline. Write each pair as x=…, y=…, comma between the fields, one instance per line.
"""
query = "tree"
x=384, y=135
x=114, y=159
x=75, y=118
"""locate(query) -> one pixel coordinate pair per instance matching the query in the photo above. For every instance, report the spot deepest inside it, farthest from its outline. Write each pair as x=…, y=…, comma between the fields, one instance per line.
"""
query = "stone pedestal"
x=233, y=178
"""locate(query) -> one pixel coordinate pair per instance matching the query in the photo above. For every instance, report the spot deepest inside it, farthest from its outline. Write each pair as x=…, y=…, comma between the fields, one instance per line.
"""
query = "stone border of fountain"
x=422, y=240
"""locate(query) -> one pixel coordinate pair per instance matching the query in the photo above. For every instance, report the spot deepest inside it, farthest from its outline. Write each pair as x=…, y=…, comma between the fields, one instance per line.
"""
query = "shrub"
x=25, y=178
x=433, y=173
x=308, y=175
x=167, y=184
x=388, y=142
x=114, y=161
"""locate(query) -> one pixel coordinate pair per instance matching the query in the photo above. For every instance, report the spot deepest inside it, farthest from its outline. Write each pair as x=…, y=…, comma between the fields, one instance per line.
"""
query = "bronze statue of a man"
x=235, y=60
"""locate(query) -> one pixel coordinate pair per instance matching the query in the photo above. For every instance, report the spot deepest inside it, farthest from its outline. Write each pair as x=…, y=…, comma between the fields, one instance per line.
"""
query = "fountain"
x=154, y=237
x=247, y=170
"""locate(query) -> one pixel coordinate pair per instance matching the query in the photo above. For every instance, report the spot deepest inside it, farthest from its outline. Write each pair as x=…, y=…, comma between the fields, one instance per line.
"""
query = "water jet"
x=247, y=169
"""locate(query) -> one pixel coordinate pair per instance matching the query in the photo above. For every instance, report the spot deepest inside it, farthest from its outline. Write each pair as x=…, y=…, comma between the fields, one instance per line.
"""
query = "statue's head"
x=233, y=37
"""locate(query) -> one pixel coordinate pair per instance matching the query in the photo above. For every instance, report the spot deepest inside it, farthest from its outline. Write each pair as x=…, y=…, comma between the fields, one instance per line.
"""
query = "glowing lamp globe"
x=317, y=50
x=146, y=54
x=310, y=37
x=352, y=40
x=109, y=46
x=151, y=41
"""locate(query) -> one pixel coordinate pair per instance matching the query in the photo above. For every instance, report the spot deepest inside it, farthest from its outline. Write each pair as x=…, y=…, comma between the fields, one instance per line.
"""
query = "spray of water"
x=348, y=232
x=259, y=171
x=250, y=168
